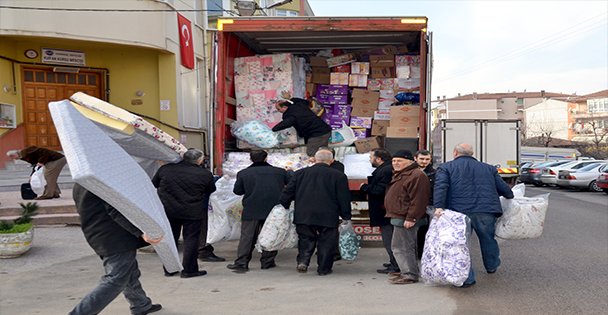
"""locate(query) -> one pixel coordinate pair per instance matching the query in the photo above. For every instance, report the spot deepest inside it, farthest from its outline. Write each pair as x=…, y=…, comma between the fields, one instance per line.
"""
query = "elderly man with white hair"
x=321, y=196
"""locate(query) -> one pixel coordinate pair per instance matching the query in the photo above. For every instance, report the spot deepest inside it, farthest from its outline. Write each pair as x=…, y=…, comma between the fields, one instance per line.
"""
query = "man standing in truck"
x=309, y=126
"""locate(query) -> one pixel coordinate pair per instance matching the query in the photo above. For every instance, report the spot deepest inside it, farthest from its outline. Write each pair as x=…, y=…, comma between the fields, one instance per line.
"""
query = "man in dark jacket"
x=261, y=184
x=407, y=196
x=375, y=190
x=182, y=188
x=116, y=241
x=52, y=161
x=321, y=196
x=424, y=160
x=309, y=126
x=473, y=188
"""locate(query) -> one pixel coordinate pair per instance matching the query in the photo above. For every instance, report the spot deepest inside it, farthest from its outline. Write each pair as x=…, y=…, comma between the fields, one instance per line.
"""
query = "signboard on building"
x=63, y=57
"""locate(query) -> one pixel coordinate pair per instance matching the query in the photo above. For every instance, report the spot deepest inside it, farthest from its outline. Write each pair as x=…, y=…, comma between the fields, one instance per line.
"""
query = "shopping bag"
x=37, y=180
x=349, y=241
x=26, y=192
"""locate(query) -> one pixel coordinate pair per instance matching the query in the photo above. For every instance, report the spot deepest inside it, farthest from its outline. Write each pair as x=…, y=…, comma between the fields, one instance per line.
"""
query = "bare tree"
x=598, y=131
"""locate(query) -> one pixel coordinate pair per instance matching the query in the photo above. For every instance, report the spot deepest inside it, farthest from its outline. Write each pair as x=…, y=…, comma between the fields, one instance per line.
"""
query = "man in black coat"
x=309, y=126
x=321, y=196
x=261, y=184
x=182, y=188
x=116, y=241
x=424, y=160
x=375, y=190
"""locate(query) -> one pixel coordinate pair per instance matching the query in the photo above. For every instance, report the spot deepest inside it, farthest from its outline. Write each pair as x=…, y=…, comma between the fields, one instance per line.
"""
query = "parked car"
x=531, y=174
x=549, y=174
x=602, y=179
x=582, y=178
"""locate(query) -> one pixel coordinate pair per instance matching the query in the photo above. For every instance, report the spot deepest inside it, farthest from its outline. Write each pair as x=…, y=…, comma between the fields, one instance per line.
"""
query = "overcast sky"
x=501, y=46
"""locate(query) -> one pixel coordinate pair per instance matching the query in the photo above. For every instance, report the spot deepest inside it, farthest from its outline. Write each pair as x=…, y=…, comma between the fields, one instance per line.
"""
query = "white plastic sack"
x=523, y=217
x=342, y=137
x=446, y=259
x=348, y=241
x=278, y=231
x=357, y=166
x=255, y=133
x=225, y=209
x=37, y=181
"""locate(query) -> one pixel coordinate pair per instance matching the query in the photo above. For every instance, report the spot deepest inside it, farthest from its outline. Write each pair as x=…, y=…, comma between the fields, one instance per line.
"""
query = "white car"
x=549, y=175
x=583, y=178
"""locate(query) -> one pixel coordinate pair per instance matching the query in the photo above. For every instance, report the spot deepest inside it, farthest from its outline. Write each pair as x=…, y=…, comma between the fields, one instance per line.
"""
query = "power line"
x=544, y=42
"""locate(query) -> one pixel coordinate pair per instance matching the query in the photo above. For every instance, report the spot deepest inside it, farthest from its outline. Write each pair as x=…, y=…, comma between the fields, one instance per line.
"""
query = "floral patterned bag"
x=446, y=259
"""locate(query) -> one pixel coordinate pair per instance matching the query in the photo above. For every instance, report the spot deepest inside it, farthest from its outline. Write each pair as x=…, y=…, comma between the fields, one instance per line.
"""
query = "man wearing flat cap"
x=407, y=196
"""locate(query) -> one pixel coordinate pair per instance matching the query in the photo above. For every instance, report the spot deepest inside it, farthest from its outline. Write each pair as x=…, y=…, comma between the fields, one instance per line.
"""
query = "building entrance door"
x=41, y=86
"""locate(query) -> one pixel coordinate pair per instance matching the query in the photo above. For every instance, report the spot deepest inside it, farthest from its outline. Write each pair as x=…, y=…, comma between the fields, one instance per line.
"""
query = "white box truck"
x=496, y=142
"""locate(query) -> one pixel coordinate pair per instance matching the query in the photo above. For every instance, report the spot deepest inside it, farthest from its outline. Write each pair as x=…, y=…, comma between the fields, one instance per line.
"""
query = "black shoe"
x=337, y=257
x=152, y=309
x=211, y=258
x=386, y=265
x=238, y=268
x=302, y=268
x=466, y=285
x=324, y=273
x=193, y=274
x=272, y=265
x=171, y=274
x=388, y=270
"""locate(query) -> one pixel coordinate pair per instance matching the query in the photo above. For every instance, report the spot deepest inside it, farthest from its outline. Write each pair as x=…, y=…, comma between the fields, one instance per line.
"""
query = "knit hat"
x=404, y=154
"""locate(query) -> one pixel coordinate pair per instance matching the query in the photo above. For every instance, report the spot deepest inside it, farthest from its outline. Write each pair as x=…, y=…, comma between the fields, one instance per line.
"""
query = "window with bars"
x=41, y=76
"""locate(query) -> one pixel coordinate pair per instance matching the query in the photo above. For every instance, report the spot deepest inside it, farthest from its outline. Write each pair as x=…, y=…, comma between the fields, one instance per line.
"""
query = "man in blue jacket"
x=473, y=188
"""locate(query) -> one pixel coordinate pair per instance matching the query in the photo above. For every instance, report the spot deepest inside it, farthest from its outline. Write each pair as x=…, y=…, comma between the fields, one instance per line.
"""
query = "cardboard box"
x=332, y=89
x=387, y=94
x=381, y=84
x=379, y=127
x=318, y=61
x=367, y=144
x=336, y=99
x=402, y=121
x=405, y=111
x=320, y=70
x=382, y=72
x=382, y=115
x=361, y=122
x=338, y=119
x=402, y=72
x=359, y=68
x=344, y=110
x=401, y=132
x=340, y=60
x=357, y=80
x=382, y=61
x=362, y=111
x=320, y=78
x=360, y=133
x=338, y=78
x=407, y=85
x=341, y=68
x=365, y=98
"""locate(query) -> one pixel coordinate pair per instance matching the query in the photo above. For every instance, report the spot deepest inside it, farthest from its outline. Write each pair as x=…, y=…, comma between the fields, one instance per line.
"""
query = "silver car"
x=582, y=178
x=549, y=174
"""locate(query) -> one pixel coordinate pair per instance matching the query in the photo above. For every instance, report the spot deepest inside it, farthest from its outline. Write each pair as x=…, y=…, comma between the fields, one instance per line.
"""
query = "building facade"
x=147, y=57
x=591, y=118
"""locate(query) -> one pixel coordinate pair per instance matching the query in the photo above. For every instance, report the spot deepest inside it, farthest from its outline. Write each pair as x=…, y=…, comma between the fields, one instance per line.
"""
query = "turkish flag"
x=185, y=41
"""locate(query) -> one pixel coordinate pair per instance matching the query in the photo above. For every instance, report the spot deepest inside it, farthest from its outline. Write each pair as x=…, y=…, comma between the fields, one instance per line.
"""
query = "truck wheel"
x=593, y=186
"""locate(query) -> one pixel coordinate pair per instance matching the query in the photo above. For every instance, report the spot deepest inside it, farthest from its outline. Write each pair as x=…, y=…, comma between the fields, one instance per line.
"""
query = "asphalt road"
x=565, y=271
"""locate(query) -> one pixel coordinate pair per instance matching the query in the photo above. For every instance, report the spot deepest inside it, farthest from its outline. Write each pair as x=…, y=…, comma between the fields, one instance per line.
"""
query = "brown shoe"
x=394, y=274
x=402, y=280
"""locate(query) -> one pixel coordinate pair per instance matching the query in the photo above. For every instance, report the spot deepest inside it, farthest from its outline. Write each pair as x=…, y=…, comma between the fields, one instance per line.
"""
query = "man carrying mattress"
x=261, y=184
x=116, y=241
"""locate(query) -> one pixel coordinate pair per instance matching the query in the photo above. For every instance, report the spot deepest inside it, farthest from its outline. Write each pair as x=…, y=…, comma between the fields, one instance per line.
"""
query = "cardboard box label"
x=381, y=84
x=402, y=132
x=382, y=61
x=332, y=89
x=340, y=60
x=385, y=104
x=360, y=133
x=360, y=68
x=361, y=122
x=342, y=68
x=382, y=115
x=390, y=94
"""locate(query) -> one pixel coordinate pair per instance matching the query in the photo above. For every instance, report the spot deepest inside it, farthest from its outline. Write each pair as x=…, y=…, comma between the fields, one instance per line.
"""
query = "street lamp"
x=248, y=7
